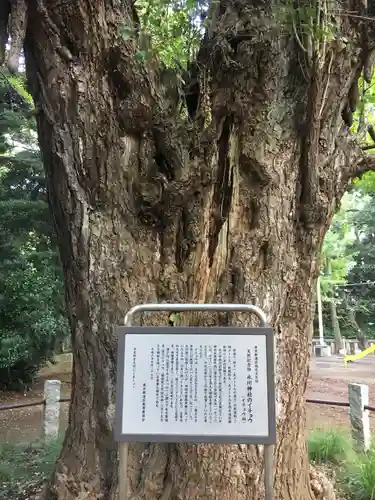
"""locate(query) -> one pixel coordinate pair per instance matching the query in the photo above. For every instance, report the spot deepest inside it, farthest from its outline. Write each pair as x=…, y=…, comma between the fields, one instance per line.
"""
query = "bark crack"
x=168, y=482
x=308, y=170
x=222, y=196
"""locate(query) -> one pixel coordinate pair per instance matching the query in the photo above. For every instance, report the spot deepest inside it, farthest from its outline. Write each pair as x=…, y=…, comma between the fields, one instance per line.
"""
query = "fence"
x=349, y=346
x=359, y=411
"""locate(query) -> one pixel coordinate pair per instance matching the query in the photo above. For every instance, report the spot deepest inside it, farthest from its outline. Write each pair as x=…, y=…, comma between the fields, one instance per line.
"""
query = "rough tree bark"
x=231, y=205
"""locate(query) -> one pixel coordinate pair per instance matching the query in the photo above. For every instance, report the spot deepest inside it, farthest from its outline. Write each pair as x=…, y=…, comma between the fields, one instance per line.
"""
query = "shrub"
x=32, y=309
x=328, y=447
x=360, y=477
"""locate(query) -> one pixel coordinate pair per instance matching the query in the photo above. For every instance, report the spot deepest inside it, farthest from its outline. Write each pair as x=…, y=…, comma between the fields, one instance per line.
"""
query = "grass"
x=328, y=447
x=360, y=477
x=25, y=465
x=355, y=471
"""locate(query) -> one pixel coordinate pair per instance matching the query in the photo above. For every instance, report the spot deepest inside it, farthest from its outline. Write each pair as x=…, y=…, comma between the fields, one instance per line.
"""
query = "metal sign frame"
x=270, y=351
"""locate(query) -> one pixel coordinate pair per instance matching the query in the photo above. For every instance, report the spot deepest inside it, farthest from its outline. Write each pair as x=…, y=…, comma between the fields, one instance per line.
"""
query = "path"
x=328, y=381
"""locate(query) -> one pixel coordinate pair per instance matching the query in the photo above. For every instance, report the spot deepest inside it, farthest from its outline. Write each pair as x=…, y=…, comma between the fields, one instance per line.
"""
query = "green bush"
x=32, y=309
x=328, y=447
x=33, y=320
x=355, y=471
x=359, y=477
x=24, y=465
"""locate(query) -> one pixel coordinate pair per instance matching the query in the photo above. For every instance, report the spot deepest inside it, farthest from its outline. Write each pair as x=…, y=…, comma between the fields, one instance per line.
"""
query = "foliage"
x=21, y=168
x=362, y=220
x=336, y=260
x=32, y=313
x=336, y=263
x=360, y=477
x=24, y=466
x=355, y=471
x=174, y=28
x=365, y=114
x=366, y=184
x=363, y=268
x=348, y=251
x=31, y=310
x=349, y=279
x=328, y=447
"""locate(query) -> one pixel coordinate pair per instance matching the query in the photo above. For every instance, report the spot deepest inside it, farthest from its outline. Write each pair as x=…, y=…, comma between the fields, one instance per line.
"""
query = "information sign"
x=197, y=385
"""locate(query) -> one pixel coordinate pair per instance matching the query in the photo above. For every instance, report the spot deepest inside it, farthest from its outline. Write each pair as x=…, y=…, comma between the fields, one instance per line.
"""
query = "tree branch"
x=4, y=16
x=366, y=164
x=17, y=30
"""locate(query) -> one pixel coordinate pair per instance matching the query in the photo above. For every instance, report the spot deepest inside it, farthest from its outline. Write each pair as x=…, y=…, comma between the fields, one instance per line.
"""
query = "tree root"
x=321, y=485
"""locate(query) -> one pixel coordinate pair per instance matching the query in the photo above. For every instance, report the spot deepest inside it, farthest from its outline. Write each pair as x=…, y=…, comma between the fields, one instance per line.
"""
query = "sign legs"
x=267, y=353
x=123, y=472
x=268, y=473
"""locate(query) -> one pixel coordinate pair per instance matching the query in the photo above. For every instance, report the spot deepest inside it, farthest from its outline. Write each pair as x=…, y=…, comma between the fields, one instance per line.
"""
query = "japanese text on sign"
x=195, y=384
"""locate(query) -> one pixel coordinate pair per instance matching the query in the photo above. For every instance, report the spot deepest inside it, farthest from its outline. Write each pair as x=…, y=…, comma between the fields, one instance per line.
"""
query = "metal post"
x=268, y=473
x=123, y=447
x=122, y=472
x=320, y=312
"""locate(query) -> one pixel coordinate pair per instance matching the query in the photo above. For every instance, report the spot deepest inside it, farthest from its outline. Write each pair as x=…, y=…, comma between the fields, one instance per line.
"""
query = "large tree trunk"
x=232, y=206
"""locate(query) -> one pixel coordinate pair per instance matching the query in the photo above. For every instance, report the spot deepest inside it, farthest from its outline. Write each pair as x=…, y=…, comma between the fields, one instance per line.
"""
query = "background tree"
x=32, y=316
x=336, y=263
x=334, y=270
x=357, y=295
x=347, y=285
x=348, y=246
x=360, y=298
x=227, y=199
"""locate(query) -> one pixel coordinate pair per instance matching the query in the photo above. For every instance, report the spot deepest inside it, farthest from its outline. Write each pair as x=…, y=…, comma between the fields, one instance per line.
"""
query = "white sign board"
x=178, y=386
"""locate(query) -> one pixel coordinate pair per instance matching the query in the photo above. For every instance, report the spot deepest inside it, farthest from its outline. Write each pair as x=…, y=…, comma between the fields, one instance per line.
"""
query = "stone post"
x=51, y=420
x=359, y=417
x=356, y=349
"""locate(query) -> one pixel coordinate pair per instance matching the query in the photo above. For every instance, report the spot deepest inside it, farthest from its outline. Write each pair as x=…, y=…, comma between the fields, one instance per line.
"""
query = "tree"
x=32, y=315
x=360, y=298
x=334, y=270
x=226, y=201
x=356, y=249
x=348, y=248
x=337, y=260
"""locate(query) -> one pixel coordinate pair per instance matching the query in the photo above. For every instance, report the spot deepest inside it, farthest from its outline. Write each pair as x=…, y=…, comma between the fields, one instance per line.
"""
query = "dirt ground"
x=328, y=381
x=22, y=425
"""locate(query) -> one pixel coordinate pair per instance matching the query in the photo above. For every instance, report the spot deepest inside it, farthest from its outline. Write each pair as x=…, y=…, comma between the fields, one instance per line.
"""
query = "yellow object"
x=362, y=354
